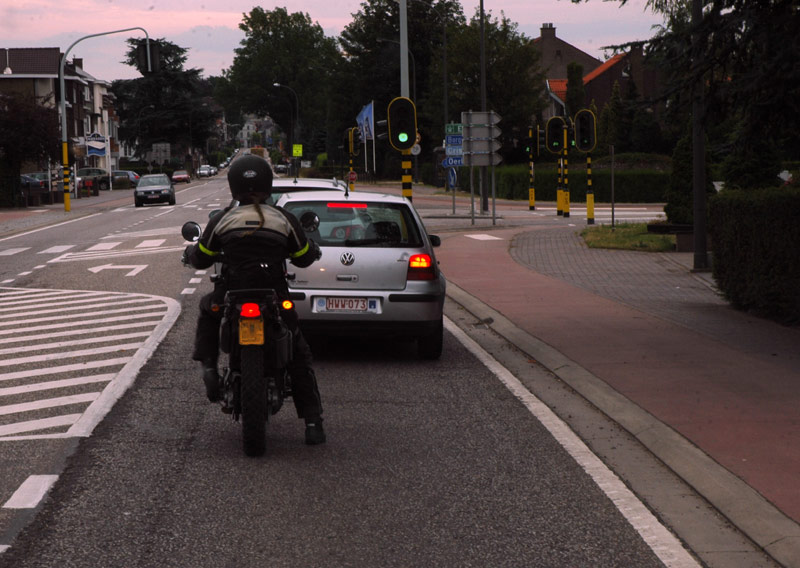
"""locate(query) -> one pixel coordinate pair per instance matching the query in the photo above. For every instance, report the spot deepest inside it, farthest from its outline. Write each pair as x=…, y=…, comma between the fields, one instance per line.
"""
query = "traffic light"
x=540, y=140
x=585, y=130
x=354, y=140
x=554, y=135
x=141, y=57
x=402, y=123
x=381, y=129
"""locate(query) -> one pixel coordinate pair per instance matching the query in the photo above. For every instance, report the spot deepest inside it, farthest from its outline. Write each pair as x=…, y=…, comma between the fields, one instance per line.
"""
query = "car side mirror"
x=435, y=240
x=191, y=231
x=309, y=221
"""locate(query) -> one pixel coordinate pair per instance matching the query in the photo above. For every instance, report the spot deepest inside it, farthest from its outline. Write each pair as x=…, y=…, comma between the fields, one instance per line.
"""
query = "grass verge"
x=627, y=236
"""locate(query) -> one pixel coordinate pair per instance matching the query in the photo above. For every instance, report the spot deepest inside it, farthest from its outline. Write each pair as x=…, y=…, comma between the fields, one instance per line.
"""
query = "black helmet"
x=250, y=174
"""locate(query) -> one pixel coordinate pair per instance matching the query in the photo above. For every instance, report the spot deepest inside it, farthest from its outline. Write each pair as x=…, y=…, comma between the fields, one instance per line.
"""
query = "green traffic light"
x=402, y=137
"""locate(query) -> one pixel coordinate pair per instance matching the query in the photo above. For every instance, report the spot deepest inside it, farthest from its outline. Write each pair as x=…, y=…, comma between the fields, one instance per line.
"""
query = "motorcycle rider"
x=255, y=239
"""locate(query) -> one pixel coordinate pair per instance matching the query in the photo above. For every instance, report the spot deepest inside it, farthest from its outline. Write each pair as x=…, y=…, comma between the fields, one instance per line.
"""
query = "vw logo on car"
x=347, y=258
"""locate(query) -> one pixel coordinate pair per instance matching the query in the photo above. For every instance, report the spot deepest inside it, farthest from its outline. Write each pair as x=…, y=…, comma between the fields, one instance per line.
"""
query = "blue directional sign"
x=452, y=177
x=453, y=161
x=454, y=139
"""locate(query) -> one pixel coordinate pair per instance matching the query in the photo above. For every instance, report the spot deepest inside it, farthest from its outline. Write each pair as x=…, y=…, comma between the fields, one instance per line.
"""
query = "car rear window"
x=360, y=223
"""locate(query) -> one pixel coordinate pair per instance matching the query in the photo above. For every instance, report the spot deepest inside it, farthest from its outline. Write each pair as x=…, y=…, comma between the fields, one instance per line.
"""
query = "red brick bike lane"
x=742, y=408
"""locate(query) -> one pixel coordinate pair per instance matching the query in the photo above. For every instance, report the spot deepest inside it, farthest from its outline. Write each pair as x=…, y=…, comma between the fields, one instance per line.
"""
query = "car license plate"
x=347, y=305
x=251, y=331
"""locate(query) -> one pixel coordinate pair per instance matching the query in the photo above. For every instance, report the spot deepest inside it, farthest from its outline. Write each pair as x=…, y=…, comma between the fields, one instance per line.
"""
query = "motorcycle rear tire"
x=255, y=411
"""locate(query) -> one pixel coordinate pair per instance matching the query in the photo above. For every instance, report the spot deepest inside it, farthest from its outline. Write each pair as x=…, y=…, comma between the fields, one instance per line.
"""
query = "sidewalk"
x=655, y=348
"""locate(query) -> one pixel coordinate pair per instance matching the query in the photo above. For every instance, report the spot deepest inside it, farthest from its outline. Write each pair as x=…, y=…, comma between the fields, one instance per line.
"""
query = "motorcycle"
x=258, y=343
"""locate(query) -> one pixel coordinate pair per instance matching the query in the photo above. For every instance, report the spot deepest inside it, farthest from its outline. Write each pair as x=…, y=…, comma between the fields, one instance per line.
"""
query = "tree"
x=171, y=105
x=508, y=54
x=288, y=49
x=28, y=132
x=576, y=94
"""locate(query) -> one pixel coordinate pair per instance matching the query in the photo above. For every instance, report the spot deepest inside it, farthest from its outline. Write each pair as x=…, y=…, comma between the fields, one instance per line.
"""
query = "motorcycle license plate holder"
x=251, y=331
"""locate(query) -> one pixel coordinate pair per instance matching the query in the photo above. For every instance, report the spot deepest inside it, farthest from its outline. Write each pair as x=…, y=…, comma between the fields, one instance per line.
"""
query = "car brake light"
x=345, y=205
x=287, y=304
x=420, y=267
x=250, y=310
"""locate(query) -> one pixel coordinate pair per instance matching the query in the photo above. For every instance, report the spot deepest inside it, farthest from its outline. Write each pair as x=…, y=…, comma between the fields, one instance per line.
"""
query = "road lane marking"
x=660, y=540
x=103, y=246
x=56, y=249
x=9, y=252
x=48, y=403
x=31, y=492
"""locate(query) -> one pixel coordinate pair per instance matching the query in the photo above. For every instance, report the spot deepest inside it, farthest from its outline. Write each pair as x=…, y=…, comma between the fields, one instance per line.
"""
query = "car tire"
x=172, y=201
x=102, y=185
x=430, y=346
x=137, y=203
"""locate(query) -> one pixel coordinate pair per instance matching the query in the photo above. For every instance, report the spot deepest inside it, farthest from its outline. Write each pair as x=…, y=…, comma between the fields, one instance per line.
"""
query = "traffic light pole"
x=589, y=191
x=531, y=190
x=406, y=165
x=565, y=192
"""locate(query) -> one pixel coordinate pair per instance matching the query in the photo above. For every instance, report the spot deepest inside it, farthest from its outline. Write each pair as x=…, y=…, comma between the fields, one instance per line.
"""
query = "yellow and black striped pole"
x=350, y=184
x=565, y=192
x=406, y=165
x=589, y=191
x=65, y=180
x=531, y=191
x=559, y=191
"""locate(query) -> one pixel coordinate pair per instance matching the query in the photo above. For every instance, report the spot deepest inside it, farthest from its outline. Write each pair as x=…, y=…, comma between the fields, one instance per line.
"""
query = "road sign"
x=452, y=162
x=454, y=140
x=352, y=176
x=297, y=150
x=452, y=177
x=481, y=131
x=453, y=150
x=482, y=159
x=453, y=128
x=416, y=150
x=481, y=146
x=480, y=117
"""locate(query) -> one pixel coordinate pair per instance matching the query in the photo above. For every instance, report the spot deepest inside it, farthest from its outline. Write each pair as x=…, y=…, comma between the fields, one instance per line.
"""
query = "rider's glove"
x=185, y=257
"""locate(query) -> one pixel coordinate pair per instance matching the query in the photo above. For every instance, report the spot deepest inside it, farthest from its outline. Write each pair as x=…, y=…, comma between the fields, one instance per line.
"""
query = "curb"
x=757, y=518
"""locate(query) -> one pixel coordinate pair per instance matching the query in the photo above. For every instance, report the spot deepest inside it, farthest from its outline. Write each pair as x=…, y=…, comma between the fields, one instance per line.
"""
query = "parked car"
x=122, y=175
x=53, y=176
x=280, y=168
x=30, y=183
x=154, y=188
x=97, y=176
x=378, y=273
x=181, y=176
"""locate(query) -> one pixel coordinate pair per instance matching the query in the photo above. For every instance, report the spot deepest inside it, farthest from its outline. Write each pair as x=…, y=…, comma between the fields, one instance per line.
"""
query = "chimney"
x=77, y=62
x=548, y=31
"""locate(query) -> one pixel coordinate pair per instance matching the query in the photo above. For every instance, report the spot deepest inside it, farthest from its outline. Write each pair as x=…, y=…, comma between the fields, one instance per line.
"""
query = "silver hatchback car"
x=378, y=273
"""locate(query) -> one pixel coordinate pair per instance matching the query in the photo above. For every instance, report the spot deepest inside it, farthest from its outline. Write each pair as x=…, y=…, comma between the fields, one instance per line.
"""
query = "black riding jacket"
x=253, y=251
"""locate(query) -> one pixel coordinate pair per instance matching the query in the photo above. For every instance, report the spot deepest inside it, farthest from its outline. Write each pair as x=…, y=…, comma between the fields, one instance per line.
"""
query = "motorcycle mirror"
x=191, y=231
x=309, y=221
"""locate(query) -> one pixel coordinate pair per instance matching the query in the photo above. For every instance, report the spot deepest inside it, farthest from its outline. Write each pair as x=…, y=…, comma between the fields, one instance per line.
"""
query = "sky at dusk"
x=210, y=29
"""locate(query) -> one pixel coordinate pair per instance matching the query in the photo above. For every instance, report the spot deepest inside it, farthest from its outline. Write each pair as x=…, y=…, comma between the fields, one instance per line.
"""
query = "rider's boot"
x=211, y=380
x=315, y=434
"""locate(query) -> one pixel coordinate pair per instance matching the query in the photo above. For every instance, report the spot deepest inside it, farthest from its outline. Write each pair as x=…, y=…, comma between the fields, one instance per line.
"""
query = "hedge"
x=630, y=186
x=756, y=236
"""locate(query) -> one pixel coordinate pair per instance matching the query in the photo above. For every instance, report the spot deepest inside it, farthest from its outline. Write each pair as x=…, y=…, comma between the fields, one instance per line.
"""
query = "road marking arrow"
x=134, y=269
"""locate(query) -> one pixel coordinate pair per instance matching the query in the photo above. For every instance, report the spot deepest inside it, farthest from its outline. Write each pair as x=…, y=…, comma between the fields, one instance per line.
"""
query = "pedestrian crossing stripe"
x=63, y=363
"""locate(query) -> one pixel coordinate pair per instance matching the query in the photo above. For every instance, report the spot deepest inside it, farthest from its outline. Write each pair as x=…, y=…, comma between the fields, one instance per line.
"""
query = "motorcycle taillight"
x=250, y=310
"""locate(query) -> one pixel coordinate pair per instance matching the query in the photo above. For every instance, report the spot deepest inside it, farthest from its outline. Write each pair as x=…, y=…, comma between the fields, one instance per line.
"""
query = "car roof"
x=284, y=184
x=339, y=196
x=150, y=176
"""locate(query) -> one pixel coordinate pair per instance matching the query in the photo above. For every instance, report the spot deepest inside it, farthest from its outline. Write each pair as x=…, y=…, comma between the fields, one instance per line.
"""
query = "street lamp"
x=64, y=147
x=295, y=123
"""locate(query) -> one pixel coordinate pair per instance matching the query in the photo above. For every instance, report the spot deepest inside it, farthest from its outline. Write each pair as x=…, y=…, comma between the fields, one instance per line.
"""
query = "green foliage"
x=172, y=105
x=28, y=132
x=680, y=196
x=756, y=237
x=630, y=186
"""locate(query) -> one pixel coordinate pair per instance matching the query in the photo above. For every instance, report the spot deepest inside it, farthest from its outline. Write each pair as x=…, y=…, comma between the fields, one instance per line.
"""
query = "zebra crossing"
x=66, y=356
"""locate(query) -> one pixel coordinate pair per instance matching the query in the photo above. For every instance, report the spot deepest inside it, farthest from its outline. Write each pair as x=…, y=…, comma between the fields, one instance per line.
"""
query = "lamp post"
x=64, y=147
x=295, y=122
